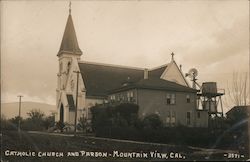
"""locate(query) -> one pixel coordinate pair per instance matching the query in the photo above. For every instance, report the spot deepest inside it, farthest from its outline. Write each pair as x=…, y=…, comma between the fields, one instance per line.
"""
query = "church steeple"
x=69, y=42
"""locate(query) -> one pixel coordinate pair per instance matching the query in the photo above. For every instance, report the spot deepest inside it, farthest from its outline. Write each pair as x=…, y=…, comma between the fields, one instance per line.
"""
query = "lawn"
x=56, y=147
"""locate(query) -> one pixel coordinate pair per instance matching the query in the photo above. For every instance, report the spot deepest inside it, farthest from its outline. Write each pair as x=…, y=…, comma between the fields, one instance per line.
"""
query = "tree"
x=15, y=120
x=36, y=115
x=238, y=90
x=35, y=120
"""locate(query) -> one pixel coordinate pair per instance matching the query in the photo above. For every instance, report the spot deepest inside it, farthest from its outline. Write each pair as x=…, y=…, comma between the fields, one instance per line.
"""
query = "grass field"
x=81, y=148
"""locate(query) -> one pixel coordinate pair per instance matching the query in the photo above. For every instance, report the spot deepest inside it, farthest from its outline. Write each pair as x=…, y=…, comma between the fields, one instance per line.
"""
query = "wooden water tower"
x=210, y=98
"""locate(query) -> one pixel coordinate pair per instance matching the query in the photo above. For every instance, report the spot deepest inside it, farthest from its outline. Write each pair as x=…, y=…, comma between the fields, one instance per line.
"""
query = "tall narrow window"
x=188, y=118
x=188, y=98
x=112, y=97
x=130, y=96
x=170, y=99
x=173, y=118
x=68, y=67
x=168, y=118
x=172, y=102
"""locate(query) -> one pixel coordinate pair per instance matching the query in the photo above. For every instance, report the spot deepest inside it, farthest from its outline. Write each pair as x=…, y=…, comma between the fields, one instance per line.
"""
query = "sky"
x=211, y=36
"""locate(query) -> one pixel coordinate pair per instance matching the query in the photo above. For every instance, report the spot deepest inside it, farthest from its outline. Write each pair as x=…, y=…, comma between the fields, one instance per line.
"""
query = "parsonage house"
x=162, y=90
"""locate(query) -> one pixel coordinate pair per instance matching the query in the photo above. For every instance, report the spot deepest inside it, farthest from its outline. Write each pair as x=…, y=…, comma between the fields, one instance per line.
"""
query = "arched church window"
x=72, y=84
x=68, y=66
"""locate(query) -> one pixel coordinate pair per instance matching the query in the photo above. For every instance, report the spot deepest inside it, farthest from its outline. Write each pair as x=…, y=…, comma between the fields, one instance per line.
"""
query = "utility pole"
x=77, y=76
x=19, y=121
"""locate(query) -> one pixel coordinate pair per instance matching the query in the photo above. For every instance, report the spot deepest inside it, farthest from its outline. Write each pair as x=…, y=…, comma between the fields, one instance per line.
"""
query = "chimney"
x=145, y=73
x=180, y=67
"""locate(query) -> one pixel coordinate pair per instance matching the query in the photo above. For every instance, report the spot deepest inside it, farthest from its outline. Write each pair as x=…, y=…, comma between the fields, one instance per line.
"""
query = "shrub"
x=152, y=121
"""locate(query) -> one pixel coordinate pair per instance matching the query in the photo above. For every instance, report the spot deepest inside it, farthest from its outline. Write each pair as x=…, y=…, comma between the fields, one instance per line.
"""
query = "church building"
x=162, y=90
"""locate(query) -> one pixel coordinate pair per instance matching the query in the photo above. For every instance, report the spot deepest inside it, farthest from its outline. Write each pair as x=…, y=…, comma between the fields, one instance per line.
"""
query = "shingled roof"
x=99, y=79
x=155, y=84
x=157, y=72
x=69, y=42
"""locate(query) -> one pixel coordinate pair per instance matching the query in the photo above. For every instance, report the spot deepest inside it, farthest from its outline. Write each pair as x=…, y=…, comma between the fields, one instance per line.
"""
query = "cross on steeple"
x=70, y=7
x=172, y=56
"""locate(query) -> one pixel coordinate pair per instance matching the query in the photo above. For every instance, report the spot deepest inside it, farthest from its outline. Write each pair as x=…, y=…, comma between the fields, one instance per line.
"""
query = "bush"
x=152, y=121
x=60, y=125
x=124, y=115
x=9, y=124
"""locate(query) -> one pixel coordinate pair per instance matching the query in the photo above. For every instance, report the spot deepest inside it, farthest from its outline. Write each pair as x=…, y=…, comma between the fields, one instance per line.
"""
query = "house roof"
x=99, y=79
x=155, y=84
x=69, y=42
x=236, y=109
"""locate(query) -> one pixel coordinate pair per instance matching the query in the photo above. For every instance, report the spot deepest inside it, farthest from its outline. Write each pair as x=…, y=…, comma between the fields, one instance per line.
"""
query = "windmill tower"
x=192, y=74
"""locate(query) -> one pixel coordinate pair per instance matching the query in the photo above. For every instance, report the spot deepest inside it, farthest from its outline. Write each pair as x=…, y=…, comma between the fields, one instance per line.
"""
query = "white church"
x=162, y=90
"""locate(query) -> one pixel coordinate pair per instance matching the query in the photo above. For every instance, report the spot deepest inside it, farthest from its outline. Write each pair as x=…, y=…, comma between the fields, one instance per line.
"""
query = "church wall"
x=63, y=101
x=67, y=81
x=71, y=117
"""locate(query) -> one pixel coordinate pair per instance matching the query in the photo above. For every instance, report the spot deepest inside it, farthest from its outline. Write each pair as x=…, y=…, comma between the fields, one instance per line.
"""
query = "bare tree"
x=238, y=90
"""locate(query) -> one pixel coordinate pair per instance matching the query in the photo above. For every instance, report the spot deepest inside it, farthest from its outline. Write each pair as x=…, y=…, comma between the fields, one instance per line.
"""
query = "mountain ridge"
x=11, y=109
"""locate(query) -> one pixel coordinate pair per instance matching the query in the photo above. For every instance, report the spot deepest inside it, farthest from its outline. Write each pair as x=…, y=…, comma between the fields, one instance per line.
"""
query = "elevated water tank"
x=209, y=87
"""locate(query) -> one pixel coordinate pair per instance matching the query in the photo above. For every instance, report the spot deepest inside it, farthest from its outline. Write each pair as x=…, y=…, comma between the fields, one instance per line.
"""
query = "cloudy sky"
x=212, y=36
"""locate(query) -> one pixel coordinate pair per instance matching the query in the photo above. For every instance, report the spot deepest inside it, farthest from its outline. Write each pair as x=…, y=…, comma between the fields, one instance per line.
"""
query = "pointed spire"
x=69, y=41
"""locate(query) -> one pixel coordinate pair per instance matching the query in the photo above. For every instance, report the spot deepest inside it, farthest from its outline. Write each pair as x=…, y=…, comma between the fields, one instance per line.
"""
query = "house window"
x=188, y=118
x=130, y=96
x=168, y=118
x=119, y=97
x=188, y=98
x=198, y=115
x=170, y=99
x=112, y=97
x=173, y=118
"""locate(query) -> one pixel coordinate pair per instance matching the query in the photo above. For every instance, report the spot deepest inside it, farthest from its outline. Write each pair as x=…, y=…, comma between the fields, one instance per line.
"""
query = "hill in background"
x=10, y=110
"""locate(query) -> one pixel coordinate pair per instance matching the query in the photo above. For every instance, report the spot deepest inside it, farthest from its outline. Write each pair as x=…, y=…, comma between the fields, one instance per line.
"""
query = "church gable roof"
x=69, y=42
x=100, y=78
x=157, y=72
x=173, y=73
